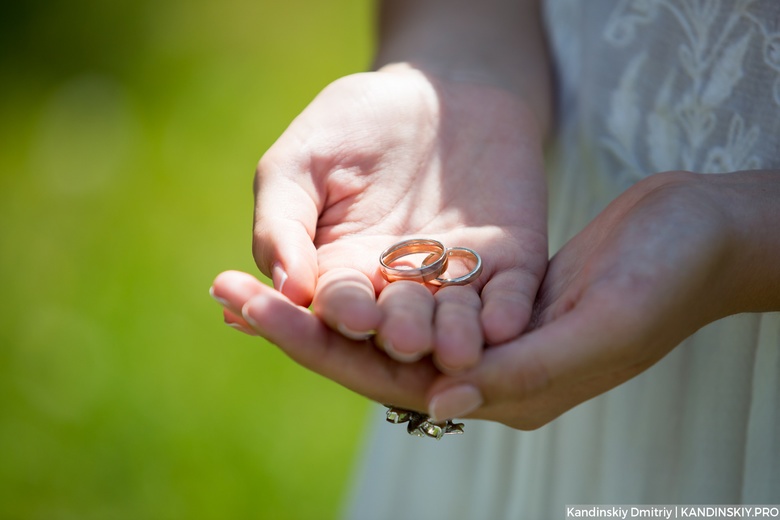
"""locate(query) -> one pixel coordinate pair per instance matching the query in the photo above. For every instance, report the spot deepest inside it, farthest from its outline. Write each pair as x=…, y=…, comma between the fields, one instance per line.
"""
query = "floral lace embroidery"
x=679, y=128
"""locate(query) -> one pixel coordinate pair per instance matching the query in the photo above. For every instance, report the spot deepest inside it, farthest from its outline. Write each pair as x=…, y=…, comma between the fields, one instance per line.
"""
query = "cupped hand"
x=650, y=270
x=383, y=156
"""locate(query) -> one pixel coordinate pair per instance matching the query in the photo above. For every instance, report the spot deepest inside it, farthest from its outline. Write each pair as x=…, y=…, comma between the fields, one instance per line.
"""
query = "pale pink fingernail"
x=258, y=304
x=222, y=301
x=251, y=321
x=241, y=328
x=457, y=401
x=403, y=357
x=354, y=334
x=448, y=369
x=279, y=276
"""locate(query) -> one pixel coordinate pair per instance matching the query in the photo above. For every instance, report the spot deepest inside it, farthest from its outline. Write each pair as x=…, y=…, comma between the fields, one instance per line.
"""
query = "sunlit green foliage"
x=129, y=132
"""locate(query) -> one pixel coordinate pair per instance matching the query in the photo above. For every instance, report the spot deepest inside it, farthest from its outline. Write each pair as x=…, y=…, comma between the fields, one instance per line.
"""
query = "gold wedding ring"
x=435, y=263
x=433, y=266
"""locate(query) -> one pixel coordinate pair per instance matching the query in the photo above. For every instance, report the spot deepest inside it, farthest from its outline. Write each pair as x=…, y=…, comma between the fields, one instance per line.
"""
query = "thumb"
x=528, y=382
x=283, y=237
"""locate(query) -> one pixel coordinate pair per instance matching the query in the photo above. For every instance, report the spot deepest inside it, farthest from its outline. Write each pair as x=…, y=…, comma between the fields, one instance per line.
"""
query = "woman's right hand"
x=382, y=156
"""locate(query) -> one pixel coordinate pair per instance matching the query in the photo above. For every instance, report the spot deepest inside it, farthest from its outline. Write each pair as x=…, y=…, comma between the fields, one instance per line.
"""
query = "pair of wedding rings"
x=432, y=268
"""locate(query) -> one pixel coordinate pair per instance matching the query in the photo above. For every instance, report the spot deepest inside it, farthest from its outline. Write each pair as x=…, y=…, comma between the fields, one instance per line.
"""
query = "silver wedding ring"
x=467, y=278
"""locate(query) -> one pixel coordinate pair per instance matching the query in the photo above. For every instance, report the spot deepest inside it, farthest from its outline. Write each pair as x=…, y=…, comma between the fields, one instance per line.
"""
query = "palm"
x=391, y=155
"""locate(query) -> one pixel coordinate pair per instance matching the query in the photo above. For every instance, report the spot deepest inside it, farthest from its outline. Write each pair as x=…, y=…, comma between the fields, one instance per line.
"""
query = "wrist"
x=750, y=204
x=722, y=242
x=497, y=43
x=467, y=101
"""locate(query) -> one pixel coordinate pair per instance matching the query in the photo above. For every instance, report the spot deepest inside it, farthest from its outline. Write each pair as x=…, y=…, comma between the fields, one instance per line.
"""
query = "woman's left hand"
x=671, y=254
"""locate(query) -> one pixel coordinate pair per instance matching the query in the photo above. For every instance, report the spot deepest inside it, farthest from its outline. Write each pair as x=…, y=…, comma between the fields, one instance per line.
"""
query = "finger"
x=507, y=301
x=406, y=331
x=357, y=365
x=345, y=300
x=232, y=289
x=286, y=212
x=507, y=378
x=237, y=322
x=458, y=332
x=540, y=375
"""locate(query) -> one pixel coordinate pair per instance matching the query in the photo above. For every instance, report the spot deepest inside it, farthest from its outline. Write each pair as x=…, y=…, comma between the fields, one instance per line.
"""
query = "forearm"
x=495, y=42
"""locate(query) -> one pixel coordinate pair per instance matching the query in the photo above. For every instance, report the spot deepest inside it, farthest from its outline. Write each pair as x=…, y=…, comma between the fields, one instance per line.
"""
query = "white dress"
x=644, y=86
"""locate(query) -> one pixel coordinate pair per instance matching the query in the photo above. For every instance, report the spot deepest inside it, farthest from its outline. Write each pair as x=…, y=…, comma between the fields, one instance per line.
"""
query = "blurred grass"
x=129, y=131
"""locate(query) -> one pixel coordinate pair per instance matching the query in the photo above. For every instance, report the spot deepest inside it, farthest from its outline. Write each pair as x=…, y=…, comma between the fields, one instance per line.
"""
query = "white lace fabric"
x=663, y=84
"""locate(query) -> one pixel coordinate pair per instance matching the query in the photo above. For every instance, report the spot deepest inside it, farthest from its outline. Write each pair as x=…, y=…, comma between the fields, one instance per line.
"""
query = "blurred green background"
x=129, y=132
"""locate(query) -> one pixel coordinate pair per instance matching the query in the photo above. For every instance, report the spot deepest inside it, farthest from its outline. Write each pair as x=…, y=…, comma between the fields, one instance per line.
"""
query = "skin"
x=442, y=142
x=330, y=199
x=671, y=254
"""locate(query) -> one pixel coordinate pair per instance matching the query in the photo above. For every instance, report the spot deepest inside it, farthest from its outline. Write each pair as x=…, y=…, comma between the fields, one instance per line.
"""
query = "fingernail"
x=222, y=301
x=457, y=401
x=450, y=371
x=403, y=357
x=279, y=276
x=241, y=328
x=354, y=334
x=249, y=318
